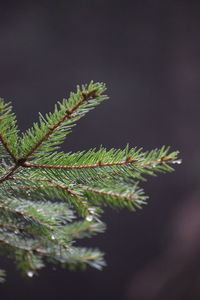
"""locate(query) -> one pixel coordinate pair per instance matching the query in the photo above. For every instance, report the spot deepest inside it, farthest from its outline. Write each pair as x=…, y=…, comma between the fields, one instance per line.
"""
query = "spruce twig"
x=76, y=185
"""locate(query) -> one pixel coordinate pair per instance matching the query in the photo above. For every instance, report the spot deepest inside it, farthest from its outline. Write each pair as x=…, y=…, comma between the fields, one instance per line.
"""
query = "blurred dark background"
x=148, y=54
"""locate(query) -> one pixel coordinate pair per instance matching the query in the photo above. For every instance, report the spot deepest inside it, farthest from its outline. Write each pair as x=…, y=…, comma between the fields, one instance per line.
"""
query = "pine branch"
x=42, y=190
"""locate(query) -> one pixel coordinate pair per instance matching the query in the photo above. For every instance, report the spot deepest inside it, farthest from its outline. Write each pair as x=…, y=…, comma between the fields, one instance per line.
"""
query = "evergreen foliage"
x=49, y=199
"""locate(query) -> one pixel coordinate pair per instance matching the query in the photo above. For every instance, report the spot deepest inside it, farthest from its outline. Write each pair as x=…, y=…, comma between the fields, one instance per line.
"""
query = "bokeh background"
x=148, y=54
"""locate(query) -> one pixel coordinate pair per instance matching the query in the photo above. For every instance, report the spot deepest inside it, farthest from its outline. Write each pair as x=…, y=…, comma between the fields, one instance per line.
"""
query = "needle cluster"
x=49, y=198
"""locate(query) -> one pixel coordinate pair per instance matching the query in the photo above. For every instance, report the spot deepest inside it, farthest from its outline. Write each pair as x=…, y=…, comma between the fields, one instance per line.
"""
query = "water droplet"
x=53, y=237
x=178, y=161
x=89, y=218
x=30, y=273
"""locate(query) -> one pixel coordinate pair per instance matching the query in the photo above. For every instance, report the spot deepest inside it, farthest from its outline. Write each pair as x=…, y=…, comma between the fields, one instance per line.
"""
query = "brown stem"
x=98, y=165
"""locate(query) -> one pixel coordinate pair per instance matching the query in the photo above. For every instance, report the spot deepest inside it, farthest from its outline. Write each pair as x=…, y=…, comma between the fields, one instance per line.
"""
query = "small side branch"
x=92, y=166
x=4, y=143
x=108, y=193
x=54, y=184
x=137, y=163
x=68, y=115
